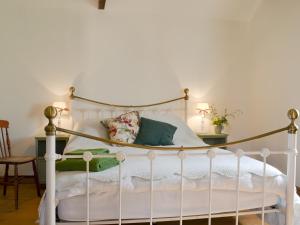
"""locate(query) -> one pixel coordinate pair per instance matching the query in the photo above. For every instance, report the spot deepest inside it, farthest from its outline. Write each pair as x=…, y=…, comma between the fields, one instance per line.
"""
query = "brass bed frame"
x=50, y=112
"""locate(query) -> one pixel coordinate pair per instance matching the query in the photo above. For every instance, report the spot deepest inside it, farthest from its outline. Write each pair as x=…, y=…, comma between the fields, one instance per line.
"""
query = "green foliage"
x=222, y=119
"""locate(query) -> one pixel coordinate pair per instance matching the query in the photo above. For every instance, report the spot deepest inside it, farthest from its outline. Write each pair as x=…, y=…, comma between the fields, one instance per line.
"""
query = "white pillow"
x=183, y=136
x=90, y=127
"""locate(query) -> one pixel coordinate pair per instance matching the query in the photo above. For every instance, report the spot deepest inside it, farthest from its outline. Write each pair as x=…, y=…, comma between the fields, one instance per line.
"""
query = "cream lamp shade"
x=60, y=105
x=202, y=106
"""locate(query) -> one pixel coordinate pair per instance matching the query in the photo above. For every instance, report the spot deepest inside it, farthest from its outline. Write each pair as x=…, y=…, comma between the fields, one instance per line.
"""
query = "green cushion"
x=96, y=164
x=154, y=132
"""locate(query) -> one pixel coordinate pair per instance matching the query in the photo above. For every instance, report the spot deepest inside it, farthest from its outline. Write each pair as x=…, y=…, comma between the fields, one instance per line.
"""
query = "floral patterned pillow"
x=123, y=128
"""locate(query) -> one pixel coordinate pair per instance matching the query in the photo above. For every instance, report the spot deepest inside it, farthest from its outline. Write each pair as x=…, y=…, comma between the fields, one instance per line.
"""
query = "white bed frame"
x=51, y=157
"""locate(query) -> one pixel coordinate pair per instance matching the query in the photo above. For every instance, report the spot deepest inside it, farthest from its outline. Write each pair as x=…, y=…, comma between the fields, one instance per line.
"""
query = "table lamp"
x=60, y=107
x=203, y=109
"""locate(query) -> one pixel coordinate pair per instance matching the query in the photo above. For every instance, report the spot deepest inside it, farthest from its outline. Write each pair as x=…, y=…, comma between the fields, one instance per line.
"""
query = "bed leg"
x=50, y=113
x=291, y=166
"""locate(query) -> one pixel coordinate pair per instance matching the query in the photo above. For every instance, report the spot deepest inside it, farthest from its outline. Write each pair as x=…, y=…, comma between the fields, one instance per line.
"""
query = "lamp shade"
x=203, y=106
x=60, y=105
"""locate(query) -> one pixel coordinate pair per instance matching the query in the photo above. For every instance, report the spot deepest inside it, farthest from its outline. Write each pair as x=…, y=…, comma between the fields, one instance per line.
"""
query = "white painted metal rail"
x=211, y=154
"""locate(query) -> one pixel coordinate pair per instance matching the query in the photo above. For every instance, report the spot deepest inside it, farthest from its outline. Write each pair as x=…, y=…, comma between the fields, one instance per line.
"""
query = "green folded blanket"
x=96, y=164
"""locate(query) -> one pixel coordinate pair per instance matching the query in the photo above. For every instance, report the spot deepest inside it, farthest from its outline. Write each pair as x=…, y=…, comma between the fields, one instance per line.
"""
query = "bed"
x=177, y=182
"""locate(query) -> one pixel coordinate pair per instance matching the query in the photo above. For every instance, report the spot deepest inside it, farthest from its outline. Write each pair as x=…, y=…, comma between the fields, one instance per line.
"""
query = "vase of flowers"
x=220, y=120
x=219, y=129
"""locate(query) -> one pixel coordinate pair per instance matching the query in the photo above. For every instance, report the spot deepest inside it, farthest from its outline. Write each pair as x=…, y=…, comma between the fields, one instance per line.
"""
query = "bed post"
x=291, y=166
x=186, y=98
x=50, y=112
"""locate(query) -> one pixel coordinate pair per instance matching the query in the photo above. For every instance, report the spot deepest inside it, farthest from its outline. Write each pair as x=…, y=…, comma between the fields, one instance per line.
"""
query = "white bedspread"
x=166, y=175
x=136, y=170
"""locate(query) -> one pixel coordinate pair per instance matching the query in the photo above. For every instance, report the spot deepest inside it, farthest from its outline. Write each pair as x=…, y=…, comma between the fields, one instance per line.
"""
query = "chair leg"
x=16, y=181
x=36, y=179
x=5, y=179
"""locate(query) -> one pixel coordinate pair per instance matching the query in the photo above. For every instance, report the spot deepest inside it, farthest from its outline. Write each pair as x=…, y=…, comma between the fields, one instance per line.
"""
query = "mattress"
x=166, y=204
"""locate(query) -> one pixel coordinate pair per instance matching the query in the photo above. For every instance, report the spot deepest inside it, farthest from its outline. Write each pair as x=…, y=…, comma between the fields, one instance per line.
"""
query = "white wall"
x=271, y=59
x=135, y=52
x=139, y=51
x=275, y=68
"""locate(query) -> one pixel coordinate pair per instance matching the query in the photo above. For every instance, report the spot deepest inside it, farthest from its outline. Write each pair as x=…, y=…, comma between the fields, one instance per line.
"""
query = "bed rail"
x=50, y=112
x=182, y=148
x=291, y=128
x=185, y=98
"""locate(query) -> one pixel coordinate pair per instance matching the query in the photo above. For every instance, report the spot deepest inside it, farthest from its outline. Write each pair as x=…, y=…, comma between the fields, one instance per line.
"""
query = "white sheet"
x=136, y=176
x=136, y=172
x=166, y=204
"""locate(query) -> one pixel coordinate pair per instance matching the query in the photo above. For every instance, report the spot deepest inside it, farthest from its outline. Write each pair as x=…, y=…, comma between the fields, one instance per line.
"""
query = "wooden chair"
x=7, y=159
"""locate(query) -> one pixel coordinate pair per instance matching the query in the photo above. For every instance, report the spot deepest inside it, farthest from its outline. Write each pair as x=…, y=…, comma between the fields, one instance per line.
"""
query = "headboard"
x=84, y=108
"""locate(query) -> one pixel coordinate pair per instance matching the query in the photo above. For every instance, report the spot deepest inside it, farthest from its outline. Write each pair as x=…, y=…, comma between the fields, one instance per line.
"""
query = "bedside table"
x=40, y=149
x=213, y=139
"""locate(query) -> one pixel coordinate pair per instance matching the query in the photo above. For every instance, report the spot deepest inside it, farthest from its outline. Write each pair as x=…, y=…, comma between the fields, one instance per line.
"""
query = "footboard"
x=182, y=153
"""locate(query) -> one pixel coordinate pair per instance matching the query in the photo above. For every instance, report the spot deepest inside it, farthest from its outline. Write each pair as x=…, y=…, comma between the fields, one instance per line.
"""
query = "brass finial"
x=186, y=92
x=72, y=90
x=50, y=112
x=293, y=114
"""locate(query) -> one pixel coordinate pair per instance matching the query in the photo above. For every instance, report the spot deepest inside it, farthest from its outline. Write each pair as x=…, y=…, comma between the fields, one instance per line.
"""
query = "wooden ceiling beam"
x=101, y=4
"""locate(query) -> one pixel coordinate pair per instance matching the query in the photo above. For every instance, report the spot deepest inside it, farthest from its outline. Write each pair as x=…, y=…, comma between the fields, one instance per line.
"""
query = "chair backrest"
x=4, y=139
